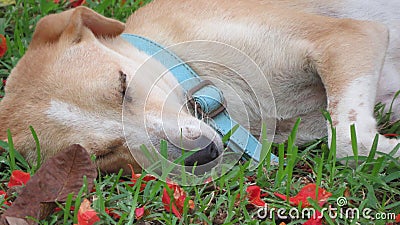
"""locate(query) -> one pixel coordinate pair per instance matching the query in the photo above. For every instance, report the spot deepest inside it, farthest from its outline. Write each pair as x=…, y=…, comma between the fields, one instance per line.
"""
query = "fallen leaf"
x=3, y=45
x=254, y=195
x=58, y=176
x=139, y=213
x=176, y=201
x=347, y=193
x=16, y=221
x=87, y=215
x=307, y=191
x=18, y=178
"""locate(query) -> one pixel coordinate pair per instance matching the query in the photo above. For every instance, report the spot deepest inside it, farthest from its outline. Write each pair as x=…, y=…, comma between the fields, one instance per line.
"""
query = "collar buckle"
x=193, y=99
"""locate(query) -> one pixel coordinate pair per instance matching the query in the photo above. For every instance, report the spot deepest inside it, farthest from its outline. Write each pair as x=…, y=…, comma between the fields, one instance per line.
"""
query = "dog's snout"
x=203, y=156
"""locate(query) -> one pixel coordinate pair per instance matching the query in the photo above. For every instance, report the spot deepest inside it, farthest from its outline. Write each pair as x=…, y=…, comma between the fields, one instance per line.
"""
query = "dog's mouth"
x=110, y=149
x=209, y=152
x=103, y=153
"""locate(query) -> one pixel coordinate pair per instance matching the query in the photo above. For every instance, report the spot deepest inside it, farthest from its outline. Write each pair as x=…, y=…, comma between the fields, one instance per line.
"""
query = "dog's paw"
x=344, y=146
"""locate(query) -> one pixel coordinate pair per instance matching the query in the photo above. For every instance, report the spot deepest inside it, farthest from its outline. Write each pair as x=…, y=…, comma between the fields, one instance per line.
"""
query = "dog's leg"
x=309, y=129
x=349, y=62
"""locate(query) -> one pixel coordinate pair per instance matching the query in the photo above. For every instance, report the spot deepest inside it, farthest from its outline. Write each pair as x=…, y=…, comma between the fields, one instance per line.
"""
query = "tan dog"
x=71, y=82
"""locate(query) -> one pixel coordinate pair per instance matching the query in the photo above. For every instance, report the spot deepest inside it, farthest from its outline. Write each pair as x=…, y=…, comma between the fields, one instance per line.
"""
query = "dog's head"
x=71, y=85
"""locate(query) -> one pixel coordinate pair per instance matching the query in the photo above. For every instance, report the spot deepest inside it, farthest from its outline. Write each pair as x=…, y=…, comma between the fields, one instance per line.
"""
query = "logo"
x=341, y=201
x=343, y=211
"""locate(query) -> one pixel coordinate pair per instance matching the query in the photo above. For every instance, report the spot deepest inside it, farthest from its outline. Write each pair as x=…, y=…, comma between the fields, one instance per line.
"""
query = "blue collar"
x=205, y=97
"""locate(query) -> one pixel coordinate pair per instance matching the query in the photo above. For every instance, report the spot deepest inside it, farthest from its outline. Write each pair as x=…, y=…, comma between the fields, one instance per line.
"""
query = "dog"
x=342, y=56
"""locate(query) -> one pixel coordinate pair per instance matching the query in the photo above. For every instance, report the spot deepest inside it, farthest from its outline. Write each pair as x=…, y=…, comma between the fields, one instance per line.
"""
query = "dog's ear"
x=72, y=24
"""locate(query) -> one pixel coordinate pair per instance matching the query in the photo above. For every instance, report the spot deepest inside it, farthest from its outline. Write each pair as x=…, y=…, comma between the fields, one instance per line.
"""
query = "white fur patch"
x=76, y=118
x=355, y=106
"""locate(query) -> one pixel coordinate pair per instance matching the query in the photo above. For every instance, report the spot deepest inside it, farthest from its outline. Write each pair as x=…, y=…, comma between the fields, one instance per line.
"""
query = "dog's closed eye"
x=123, y=87
x=122, y=80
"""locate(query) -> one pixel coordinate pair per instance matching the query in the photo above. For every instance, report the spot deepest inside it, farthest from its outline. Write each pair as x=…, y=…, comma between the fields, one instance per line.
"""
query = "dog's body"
x=313, y=56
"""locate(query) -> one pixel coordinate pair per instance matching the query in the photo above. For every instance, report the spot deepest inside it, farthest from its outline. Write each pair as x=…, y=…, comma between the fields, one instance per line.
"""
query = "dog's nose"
x=203, y=156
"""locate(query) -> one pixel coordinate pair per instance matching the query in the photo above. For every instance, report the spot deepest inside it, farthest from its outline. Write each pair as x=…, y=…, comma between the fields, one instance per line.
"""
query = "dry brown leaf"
x=16, y=221
x=58, y=176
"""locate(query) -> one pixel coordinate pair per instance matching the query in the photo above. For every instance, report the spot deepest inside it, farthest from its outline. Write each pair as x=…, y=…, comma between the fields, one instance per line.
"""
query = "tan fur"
x=311, y=59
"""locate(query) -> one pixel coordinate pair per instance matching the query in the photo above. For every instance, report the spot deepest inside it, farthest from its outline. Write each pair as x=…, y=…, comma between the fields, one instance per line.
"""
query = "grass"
x=374, y=184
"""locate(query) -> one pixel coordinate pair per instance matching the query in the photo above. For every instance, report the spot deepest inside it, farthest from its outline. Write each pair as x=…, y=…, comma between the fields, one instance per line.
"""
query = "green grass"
x=374, y=184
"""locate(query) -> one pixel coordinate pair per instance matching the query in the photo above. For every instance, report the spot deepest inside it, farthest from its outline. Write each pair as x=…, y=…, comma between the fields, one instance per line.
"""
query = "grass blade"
x=38, y=151
x=320, y=166
x=68, y=203
x=11, y=151
x=227, y=136
x=354, y=142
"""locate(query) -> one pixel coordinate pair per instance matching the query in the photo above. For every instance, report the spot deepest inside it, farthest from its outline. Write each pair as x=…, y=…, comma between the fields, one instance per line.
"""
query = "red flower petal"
x=281, y=196
x=398, y=218
x=3, y=45
x=3, y=193
x=316, y=219
x=111, y=213
x=5, y=198
x=18, y=178
x=73, y=3
x=76, y=3
x=254, y=195
x=176, y=201
x=58, y=209
x=307, y=191
x=7, y=203
x=86, y=215
x=391, y=135
x=208, y=180
x=139, y=213
x=135, y=177
x=166, y=199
